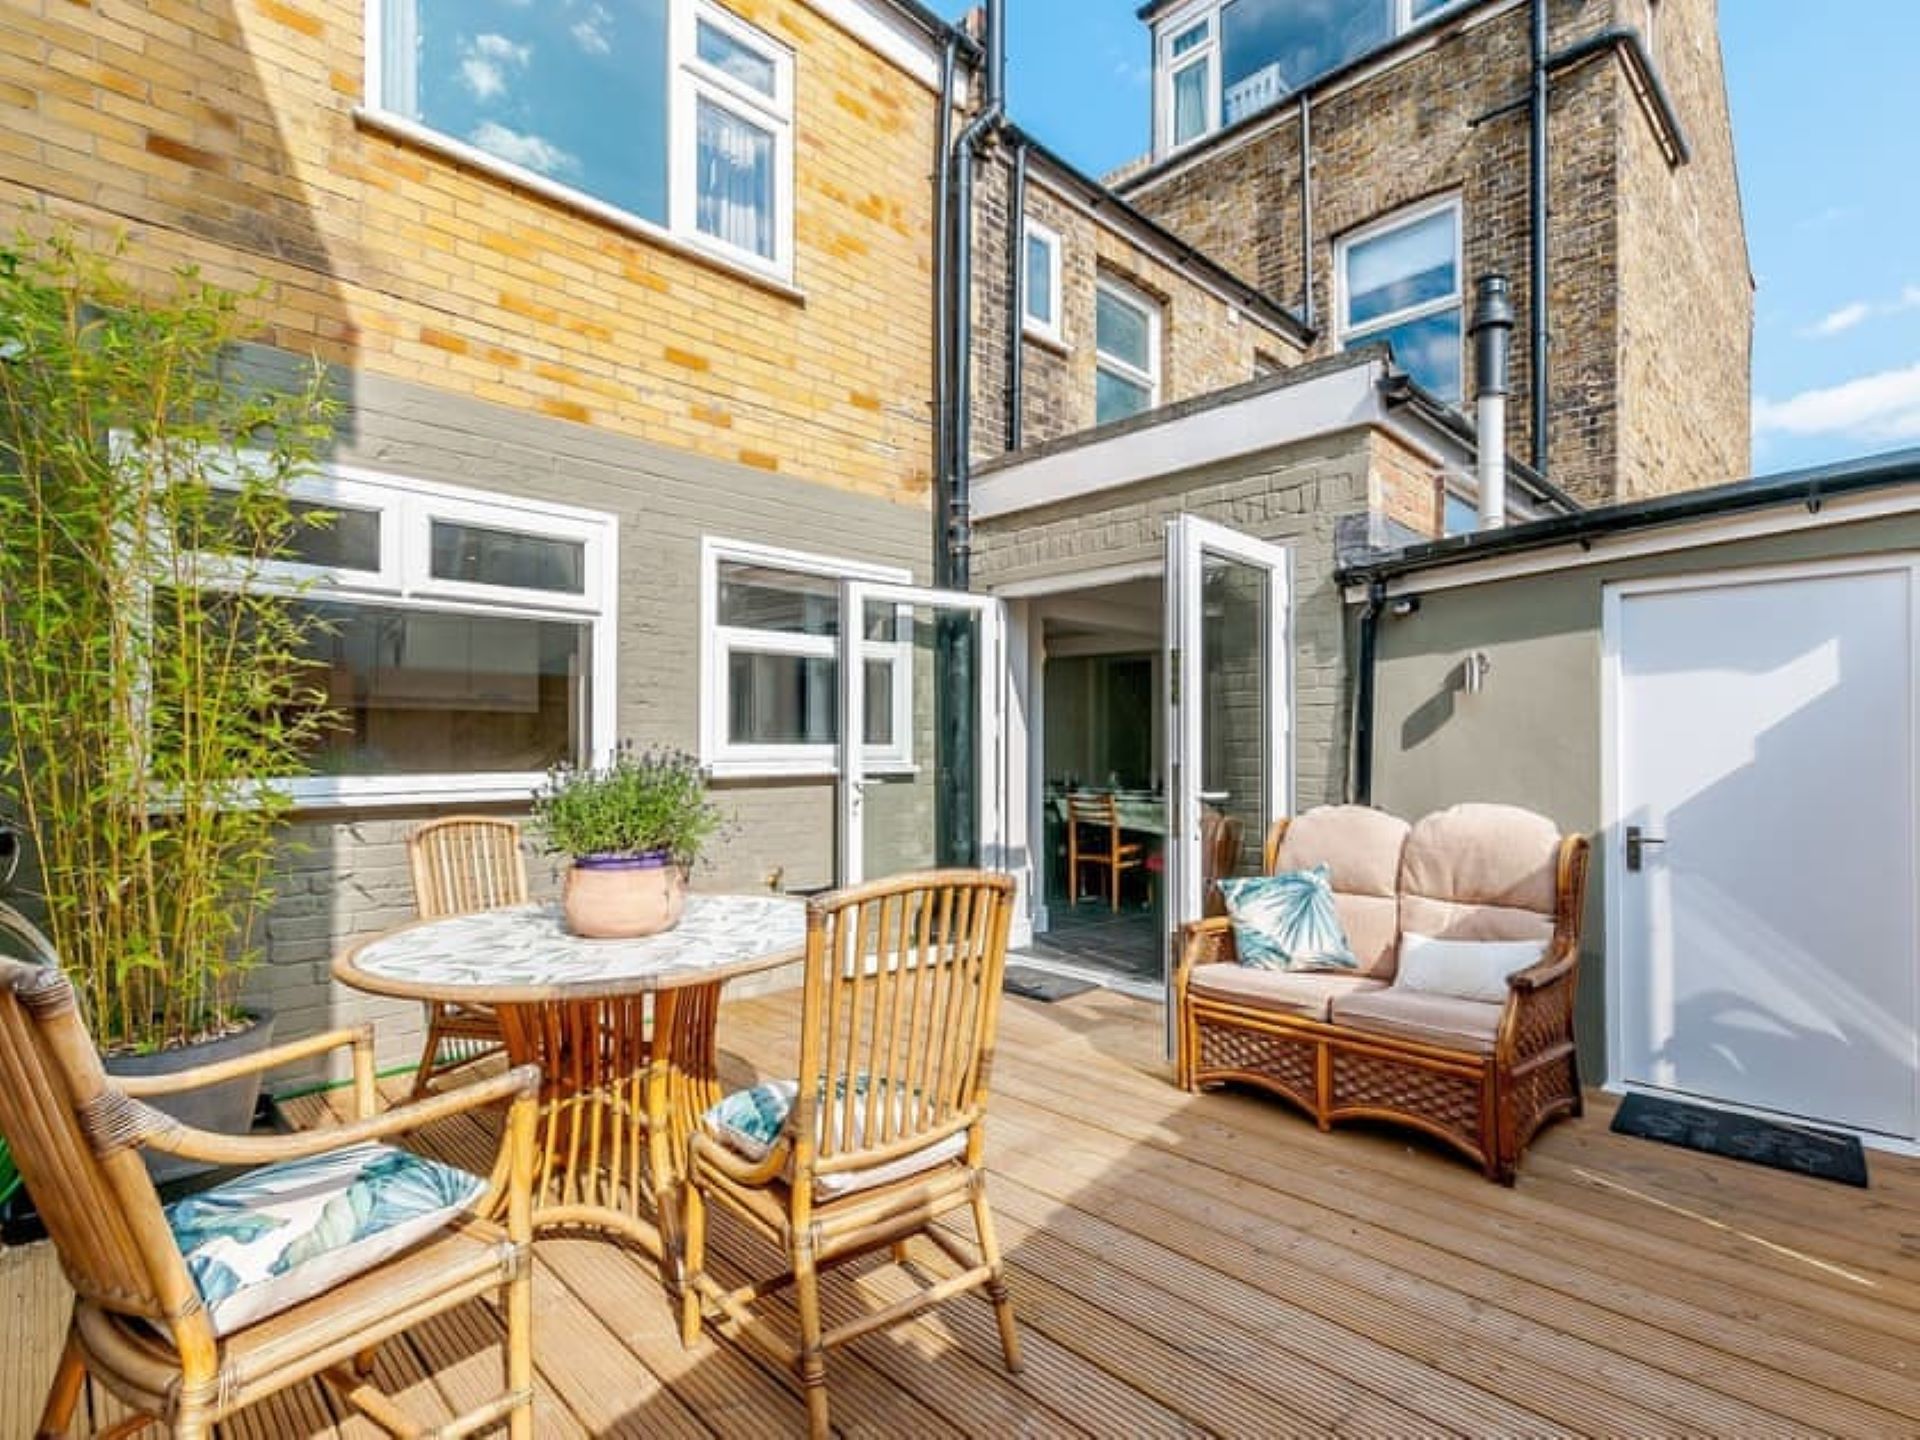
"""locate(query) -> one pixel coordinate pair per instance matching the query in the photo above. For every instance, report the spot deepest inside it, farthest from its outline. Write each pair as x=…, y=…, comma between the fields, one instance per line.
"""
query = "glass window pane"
x=1428, y=349
x=1123, y=330
x=1271, y=48
x=1192, y=87
x=879, y=703
x=1423, y=8
x=1116, y=397
x=756, y=597
x=1039, y=280
x=782, y=699
x=424, y=694
x=743, y=63
x=1462, y=516
x=348, y=539
x=1188, y=39
x=536, y=85
x=733, y=180
x=478, y=555
x=1402, y=268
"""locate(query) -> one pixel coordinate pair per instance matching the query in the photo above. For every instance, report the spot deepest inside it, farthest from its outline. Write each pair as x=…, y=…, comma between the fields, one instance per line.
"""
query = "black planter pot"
x=227, y=1107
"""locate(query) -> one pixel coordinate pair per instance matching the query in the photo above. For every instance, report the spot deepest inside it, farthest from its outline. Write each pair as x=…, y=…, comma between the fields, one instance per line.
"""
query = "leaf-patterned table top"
x=525, y=954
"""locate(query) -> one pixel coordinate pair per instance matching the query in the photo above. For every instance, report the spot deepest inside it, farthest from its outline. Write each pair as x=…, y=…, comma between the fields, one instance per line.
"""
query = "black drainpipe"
x=1537, y=223
x=957, y=550
x=1306, y=209
x=943, y=304
x=1016, y=310
x=1363, y=694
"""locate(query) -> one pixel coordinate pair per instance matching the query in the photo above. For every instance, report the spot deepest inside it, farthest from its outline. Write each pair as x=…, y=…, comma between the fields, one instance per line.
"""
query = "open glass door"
x=922, y=772
x=1228, y=724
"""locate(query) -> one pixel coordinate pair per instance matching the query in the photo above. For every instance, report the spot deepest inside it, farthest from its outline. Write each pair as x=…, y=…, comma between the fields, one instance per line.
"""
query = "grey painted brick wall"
x=345, y=872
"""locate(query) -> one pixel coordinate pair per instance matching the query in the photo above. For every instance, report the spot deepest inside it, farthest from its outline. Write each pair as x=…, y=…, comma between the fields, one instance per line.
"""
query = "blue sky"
x=1824, y=119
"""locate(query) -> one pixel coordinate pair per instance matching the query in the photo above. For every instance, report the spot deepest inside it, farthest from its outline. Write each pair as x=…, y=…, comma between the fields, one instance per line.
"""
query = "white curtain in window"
x=735, y=180
x=1190, y=87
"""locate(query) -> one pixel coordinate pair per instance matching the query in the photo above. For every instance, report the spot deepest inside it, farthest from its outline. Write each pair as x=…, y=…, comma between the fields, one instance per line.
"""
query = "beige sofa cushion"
x=1443, y=1020
x=1361, y=847
x=1480, y=872
x=1305, y=993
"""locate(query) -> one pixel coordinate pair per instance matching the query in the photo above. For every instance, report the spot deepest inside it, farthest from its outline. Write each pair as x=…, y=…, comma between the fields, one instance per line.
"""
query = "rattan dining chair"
x=883, y=1132
x=1113, y=853
x=462, y=863
x=298, y=1269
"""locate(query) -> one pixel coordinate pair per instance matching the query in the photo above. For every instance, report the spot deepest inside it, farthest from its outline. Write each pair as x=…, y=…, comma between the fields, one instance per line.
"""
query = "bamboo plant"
x=150, y=674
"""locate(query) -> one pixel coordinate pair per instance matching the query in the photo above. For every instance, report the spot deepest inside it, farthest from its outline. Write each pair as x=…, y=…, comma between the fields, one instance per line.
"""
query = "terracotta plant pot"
x=622, y=897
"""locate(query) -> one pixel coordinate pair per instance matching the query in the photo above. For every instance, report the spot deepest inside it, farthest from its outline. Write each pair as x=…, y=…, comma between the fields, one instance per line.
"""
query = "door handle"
x=1637, y=842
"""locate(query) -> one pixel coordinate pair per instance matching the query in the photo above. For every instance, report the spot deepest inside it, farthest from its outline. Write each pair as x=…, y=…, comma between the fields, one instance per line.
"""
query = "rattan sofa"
x=1481, y=1076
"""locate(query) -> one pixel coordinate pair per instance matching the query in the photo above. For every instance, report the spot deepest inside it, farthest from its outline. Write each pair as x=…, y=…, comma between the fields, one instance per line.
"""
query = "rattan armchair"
x=901, y=1001
x=462, y=863
x=142, y=1324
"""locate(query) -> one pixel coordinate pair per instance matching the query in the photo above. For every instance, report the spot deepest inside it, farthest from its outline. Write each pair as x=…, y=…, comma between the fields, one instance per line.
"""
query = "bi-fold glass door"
x=922, y=771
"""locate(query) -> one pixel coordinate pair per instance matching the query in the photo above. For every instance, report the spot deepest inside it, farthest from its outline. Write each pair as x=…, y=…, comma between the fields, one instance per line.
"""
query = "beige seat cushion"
x=1480, y=872
x=1306, y=993
x=1442, y=1020
x=1361, y=848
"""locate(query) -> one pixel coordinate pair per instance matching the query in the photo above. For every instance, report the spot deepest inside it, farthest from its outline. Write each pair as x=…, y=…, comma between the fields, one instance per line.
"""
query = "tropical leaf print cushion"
x=1288, y=921
x=285, y=1233
x=749, y=1121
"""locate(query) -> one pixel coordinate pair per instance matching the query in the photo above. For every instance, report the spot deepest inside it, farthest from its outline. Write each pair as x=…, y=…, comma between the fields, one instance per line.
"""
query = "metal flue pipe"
x=1492, y=333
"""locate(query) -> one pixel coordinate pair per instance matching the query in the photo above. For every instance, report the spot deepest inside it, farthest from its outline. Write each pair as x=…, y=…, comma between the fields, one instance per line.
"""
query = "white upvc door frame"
x=1190, y=540
x=989, y=610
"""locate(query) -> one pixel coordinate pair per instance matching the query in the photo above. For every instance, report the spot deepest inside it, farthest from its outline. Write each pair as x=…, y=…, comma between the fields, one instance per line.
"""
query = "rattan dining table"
x=622, y=1030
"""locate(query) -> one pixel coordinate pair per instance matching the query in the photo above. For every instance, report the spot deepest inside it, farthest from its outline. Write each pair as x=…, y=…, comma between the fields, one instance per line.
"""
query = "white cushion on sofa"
x=1464, y=969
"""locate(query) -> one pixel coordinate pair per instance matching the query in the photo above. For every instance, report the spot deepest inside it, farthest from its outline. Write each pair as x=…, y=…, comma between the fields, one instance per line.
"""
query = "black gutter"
x=943, y=299
x=1811, y=487
x=1539, y=353
x=1400, y=388
x=1016, y=310
x=1306, y=209
x=1183, y=256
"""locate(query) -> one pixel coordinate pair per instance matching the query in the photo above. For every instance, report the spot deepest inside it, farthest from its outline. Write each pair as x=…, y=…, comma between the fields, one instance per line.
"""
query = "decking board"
x=1185, y=1264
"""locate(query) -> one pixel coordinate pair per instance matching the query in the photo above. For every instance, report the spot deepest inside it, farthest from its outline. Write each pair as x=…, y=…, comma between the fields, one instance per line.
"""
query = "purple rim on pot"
x=650, y=860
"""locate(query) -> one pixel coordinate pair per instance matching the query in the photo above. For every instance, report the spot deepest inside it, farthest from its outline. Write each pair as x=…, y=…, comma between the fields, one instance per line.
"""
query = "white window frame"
x=1138, y=299
x=688, y=80
x=404, y=581
x=727, y=759
x=1346, y=335
x=1049, y=329
x=1178, y=21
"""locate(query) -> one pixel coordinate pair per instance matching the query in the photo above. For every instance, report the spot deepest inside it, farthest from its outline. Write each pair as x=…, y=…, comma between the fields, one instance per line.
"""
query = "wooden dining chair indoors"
x=883, y=1131
x=1220, y=843
x=300, y=1268
x=1111, y=851
x=461, y=864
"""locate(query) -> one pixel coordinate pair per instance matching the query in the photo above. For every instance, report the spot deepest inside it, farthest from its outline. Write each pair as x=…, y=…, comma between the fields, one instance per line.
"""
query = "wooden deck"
x=1214, y=1264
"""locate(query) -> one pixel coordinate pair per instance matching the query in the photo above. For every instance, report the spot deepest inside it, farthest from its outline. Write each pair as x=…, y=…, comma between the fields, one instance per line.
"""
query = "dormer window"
x=1219, y=61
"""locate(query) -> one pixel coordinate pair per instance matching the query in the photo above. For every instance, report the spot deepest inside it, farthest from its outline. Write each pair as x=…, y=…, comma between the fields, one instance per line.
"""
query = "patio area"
x=1214, y=1264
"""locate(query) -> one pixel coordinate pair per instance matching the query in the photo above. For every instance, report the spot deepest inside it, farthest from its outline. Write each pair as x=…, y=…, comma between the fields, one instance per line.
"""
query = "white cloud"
x=532, y=151
x=484, y=62
x=590, y=34
x=1836, y=322
x=1879, y=407
x=1828, y=218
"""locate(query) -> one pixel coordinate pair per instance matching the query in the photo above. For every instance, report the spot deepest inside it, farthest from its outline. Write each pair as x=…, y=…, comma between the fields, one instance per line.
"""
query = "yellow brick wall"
x=221, y=133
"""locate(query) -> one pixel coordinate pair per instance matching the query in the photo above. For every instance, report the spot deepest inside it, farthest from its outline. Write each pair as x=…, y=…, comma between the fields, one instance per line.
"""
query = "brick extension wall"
x=222, y=134
x=1651, y=307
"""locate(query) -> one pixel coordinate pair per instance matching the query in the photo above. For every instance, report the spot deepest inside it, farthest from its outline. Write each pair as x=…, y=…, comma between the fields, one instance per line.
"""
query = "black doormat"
x=1799, y=1148
x=1033, y=984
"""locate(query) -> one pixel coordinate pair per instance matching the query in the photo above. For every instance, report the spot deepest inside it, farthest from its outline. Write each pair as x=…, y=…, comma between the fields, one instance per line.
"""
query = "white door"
x=1228, y=636
x=923, y=775
x=1762, y=867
